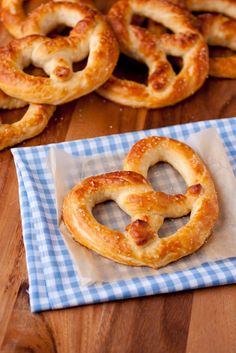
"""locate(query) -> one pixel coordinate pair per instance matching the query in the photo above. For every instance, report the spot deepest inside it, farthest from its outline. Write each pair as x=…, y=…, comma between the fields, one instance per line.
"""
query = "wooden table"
x=192, y=321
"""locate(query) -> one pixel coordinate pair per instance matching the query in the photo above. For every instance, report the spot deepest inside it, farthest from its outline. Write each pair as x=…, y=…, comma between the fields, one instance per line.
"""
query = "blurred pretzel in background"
x=32, y=124
x=90, y=36
x=216, y=20
x=164, y=87
x=39, y=21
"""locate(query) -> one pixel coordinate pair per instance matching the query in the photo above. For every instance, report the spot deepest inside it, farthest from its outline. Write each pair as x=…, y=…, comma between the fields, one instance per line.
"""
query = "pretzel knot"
x=90, y=37
x=164, y=86
x=140, y=244
x=218, y=26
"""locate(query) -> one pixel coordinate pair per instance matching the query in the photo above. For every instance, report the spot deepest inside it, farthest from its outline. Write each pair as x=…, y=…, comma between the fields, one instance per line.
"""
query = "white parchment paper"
x=68, y=170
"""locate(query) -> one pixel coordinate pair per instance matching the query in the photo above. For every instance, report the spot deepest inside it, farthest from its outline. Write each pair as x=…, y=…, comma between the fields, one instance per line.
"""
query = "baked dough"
x=37, y=116
x=7, y=102
x=140, y=245
x=19, y=24
x=164, y=86
x=218, y=26
x=91, y=36
x=32, y=124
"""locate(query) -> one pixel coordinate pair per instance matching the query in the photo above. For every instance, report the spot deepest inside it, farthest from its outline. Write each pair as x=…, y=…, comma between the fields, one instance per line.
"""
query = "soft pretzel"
x=218, y=26
x=140, y=245
x=164, y=86
x=33, y=123
x=7, y=102
x=91, y=36
x=34, y=120
x=20, y=25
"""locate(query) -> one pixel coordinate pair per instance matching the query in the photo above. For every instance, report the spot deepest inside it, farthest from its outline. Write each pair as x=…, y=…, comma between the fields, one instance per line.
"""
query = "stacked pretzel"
x=139, y=244
x=90, y=36
x=171, y=30
x=216, y=20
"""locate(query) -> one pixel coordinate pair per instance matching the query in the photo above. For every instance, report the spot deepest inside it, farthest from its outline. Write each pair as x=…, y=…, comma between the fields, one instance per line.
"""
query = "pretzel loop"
x=33, y=123
x=140, y=244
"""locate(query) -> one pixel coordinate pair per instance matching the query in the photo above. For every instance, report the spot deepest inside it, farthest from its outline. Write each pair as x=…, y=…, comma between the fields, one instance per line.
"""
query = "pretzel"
x=164, y=86
x=140, y=245
x=20, y=25
x=218, y=26
x=7, y=102
x=90, y=36
x=33, y=123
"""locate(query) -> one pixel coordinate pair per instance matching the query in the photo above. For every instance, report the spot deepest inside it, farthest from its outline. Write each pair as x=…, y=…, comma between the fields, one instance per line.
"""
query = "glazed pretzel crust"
x=218, y=26
x=140, y=245
x=91, y=36
x=164, y=86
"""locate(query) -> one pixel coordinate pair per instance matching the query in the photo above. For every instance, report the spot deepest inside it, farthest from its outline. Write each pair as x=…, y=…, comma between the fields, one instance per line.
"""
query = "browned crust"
x=223, y=67
x=141, y=232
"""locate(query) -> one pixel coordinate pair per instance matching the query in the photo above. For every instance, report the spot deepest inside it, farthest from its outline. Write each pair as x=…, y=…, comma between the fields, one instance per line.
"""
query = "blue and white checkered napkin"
x=52, y=277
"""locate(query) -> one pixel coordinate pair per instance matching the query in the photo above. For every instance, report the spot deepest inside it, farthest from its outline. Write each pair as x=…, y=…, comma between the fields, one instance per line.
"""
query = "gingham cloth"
x=53, y=282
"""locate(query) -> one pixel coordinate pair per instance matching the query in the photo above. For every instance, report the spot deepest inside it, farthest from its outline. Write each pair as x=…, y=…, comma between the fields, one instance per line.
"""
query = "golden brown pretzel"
x=33, y=123
x=91, y=36
x=36, y=117
x=20, y=25
x=164, y=86
x=218, y=26
x=7, y=102
x=140, y=244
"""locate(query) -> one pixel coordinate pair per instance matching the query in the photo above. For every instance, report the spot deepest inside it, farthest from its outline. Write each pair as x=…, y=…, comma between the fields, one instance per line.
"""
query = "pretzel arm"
x=165, y=205
x=7, y=102
x=178, y=44
x=218, y=30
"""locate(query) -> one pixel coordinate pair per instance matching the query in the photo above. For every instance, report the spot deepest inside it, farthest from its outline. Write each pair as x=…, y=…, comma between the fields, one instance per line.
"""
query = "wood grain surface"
x=193, y=321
